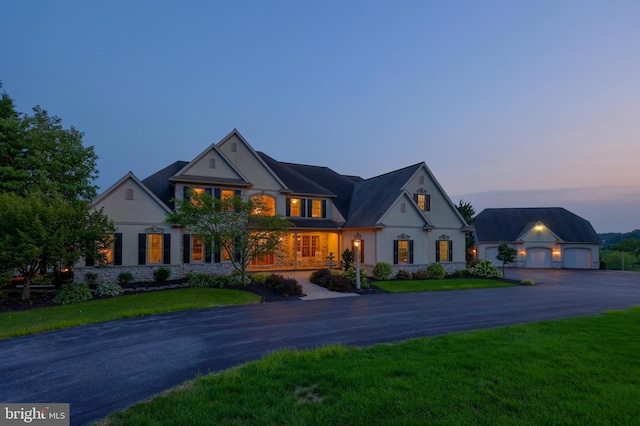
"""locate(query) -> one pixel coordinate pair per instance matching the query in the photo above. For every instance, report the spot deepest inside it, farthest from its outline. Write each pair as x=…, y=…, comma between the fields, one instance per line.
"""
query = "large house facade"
x=403, y=217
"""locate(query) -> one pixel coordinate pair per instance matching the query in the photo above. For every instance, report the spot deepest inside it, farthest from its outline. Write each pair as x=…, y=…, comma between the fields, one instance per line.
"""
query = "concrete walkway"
x=313, y=291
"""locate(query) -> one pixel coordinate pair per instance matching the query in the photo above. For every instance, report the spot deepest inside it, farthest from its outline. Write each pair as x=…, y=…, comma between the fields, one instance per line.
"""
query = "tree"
x=467, y=212
x=234, y=226
x=506, y=255
x=46, y=220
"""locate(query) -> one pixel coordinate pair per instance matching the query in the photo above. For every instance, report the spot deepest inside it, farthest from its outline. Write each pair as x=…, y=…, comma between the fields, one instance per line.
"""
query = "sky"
x=509, y=103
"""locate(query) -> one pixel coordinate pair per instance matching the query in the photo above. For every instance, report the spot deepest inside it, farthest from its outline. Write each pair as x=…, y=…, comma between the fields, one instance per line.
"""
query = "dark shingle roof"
x=313, y=223
x=159, y=184
x=340, y=185
x=373, y=197
x=507, y=224
x=296, y=182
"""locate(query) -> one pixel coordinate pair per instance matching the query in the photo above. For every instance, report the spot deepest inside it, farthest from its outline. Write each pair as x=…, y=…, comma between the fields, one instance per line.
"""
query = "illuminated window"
x=309, y=245
x=316, y=208
x=197, y=249
x=108, y=252
x=154, y=248
x=444, y=252
x=403, y=251
x=296, y=207
x=197, y=191
x=227, y=194
x=423, y=201
x=266, y=205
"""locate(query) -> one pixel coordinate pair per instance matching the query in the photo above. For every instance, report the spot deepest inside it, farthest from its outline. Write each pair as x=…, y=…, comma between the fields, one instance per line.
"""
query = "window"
x=154, y=248
x=129, y=194
x=403, y=208
x=197, y=191
x=212, y=163
x=444, y=251
x=423, y=200
x=108, y=252
x=309, y=244
x=112, y=252
x=295, y=207
x=197, y=249
x=266, y=205
x=402, y=251
x=316, y=208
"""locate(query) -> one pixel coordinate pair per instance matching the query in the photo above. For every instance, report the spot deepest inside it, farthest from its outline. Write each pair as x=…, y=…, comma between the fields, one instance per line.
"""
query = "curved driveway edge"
x=107, y=367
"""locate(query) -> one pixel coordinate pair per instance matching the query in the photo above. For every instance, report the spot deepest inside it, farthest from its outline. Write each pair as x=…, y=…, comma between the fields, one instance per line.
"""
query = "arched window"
x=264, y=205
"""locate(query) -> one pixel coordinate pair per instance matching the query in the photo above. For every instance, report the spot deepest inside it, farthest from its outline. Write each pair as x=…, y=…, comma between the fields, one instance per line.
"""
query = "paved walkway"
x=313, y=291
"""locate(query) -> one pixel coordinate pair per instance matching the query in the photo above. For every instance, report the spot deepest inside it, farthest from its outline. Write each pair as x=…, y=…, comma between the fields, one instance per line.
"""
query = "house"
x=543, y=237
x=403, y=217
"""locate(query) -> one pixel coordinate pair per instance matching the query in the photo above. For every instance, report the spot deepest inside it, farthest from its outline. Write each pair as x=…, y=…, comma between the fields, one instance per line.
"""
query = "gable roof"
x=159, y=184
x=507, y=224
x=373, y=197
x=131, y=176
x=293, y=180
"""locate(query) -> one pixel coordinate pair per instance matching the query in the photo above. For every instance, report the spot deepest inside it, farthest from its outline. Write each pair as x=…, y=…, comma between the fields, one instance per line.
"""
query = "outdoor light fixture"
x=356, y=245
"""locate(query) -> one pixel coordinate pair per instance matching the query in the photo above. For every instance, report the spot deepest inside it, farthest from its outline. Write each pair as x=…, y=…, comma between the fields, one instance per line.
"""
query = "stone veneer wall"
x=144, y=273
x=450, y=267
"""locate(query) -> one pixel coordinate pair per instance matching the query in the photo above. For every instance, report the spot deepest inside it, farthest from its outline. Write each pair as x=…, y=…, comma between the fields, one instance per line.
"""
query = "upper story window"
x=264, y=205
x=295, y=207
x=306, y=207
x=423, y=200
x=197, y=191
x=316, y=208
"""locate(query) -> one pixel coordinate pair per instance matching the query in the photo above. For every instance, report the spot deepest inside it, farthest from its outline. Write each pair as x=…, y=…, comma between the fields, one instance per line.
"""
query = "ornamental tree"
x=506, y=255
x=234, y=226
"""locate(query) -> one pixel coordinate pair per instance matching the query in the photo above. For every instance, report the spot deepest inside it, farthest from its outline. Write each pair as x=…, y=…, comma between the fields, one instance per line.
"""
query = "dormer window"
x=423, y=200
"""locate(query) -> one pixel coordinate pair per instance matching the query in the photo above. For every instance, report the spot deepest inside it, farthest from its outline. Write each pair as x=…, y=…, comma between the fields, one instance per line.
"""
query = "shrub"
x=199, y=280
x=46, y=279
x=259, y=277
x=125, y=278
x=347, y=259
x=485, y=269
x=283, y=286
x=420, y=274
x=91, y=278
x=461, y=273
x=403, y=275
x=73, y=293
x=222, y=281
x=382, y=271
x=350, y=274
x=320, y=276
x=108, y=290
x=436, y=271
x=528, y=282
x=161, y=275
x=339, y=283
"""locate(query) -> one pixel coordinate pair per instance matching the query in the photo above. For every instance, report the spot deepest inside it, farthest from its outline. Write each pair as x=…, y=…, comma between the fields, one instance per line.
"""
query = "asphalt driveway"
x=106, y=367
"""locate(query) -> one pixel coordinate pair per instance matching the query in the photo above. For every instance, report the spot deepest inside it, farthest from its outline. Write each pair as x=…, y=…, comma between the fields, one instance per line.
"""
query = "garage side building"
x=550, y=237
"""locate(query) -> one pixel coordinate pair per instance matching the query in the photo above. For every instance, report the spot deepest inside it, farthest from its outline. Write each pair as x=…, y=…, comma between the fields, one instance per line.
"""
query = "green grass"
x=20, y=323
x=438, y=285
x=578, y=371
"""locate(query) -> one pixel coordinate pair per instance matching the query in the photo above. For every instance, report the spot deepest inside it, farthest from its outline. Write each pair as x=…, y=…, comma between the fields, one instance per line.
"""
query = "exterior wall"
x=557, y=253
x=442, y=213
x=202, y=167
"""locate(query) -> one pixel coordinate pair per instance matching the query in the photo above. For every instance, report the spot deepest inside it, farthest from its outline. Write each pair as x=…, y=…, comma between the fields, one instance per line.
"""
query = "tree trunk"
x=26, y=289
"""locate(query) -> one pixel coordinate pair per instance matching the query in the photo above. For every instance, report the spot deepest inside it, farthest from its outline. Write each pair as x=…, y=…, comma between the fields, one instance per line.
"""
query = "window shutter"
x=186, y=248
x=237, y=193
x=166, y=249
x=185, y=194
x=427, y=202
x=208, y=191
x=450, y=251
x=303, y=212
x=324, y=208
x=217, y=193
x=395, y=252
x=117, y=248
x=415, y=198
x=89, y=260
x=410, y=251
x=207, y=253
x=437, y=250
x=288, y=207
x=217, y=251
x=309, y=207
x=142, y=249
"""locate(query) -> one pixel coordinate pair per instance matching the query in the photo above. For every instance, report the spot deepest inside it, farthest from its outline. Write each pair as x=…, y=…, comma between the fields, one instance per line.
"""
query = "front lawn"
x=438, y=285
x=576, y=371
x=20, y=323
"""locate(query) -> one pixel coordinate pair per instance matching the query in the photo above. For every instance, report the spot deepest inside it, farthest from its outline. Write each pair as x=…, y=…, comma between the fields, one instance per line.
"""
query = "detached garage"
x=543, y=237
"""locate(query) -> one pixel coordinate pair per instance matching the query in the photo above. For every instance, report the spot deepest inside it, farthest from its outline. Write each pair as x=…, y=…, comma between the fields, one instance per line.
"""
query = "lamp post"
x=356, y=252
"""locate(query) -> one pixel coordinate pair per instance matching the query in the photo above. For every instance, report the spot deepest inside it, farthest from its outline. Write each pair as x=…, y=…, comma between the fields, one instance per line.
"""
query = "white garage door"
x=577, y=258
x=539, y=258
x=490, y=254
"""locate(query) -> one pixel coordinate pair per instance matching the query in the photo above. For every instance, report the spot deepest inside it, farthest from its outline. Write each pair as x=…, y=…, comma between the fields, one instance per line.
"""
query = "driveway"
x=106, y=367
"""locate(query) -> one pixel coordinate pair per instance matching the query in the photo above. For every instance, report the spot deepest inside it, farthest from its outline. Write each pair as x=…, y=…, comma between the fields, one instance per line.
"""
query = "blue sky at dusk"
x=510, y=103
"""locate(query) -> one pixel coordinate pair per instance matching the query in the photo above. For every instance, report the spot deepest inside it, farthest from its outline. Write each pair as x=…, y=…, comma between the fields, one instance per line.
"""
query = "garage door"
x=539, y=258
x=490, y=254
x=577, y=258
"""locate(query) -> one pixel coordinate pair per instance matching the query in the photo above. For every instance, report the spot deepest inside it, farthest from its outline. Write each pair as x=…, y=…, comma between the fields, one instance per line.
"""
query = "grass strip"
x=439, y=285
x=20, y=323
x=577, y=371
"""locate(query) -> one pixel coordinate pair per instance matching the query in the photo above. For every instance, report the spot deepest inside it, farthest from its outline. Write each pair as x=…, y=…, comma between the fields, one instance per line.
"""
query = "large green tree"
x=241, y=229
x=46, y=188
